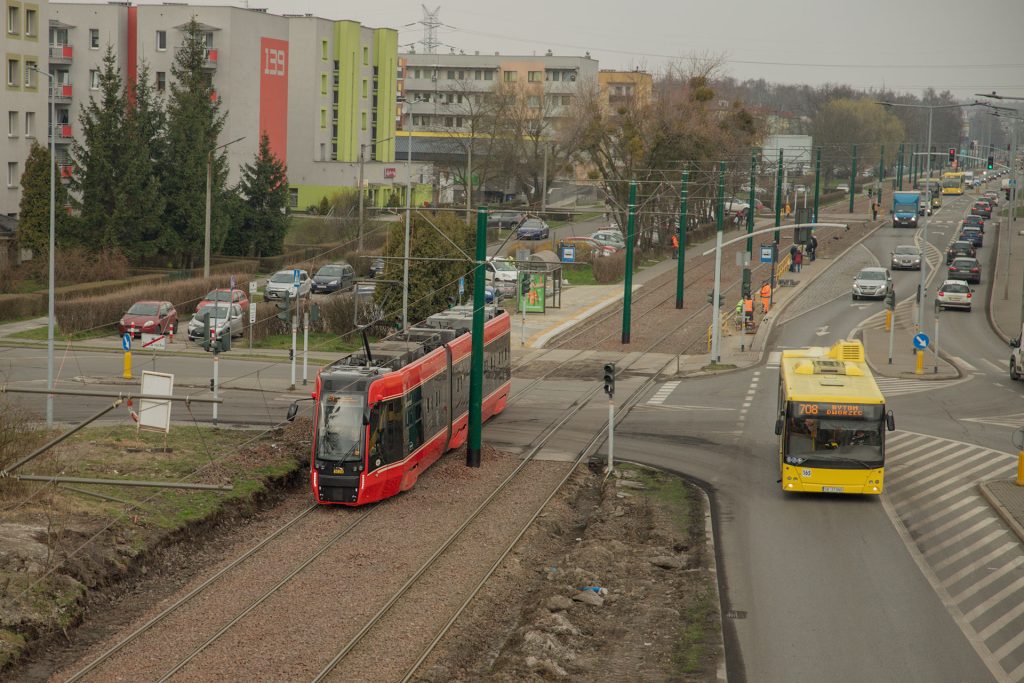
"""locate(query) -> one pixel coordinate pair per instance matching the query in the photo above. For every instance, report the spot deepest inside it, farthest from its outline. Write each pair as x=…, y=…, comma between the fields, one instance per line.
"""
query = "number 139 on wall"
x=274, y=61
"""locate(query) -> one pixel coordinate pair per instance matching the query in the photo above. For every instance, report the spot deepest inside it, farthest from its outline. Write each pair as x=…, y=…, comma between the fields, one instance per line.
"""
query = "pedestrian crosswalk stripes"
x=1012, y=421
x=900, y=386
x=662, y=393
x=972, y=559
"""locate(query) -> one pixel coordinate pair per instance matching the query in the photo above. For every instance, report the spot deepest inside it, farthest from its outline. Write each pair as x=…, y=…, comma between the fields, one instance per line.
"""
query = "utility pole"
x=469, y=181
x=853, y=177
x=899, y=169
x=209, y=190
x=817, y=185
x=716, y=308
x=408, y=220
x=476, y=368
x=751, y=200
x=778, y=196
x=681, y=255
x=544, y=183
x=627, y=296
x=362, y=149
x=881, y=168
x=53, y=248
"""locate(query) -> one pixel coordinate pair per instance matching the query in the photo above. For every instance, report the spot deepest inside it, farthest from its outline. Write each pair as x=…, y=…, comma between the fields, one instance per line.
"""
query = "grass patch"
x=581, y=274
x=319, y=341
x=42, y=333
x=713, y=367
x=692, y=650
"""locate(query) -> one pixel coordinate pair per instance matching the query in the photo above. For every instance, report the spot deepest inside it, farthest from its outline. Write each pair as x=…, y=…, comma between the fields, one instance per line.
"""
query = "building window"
x=58, y=36
x=12, y=124
x=293, y=197
x=365, y=88
x=323, y=50
x=478, y=75
x=94, y=79
x=161, y=81
x=94, y=39
x=415, y=73
x=208, y=39
x=488, y=75
x=451, y=74
x=458, y=122
x=364, y=120
x=323, y=151
x=533, y=102
x=366, y=56
x=553, y=75
x=334, y=115
x=534, y=76
x=30, y=75
x=323, y=117
x=12, y=174
x=30, y=23
x=449, y=98
x=161, y=40
x=13, y=23
x=323, y=84
x=566, y=100
x=30, y=124
x=510, y=76
x=13, y=73
x=449, y=121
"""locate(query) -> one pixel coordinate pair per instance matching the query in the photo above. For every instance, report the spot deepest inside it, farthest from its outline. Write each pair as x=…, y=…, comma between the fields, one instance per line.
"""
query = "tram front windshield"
x=341, y=428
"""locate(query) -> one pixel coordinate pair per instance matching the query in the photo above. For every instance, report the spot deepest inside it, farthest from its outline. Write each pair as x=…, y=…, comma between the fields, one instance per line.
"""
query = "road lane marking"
x=995, y=367
x=966, y=552
x=960, y=361
x=981, y=562
x=994, y=600
x=1002, y=621
x=957, y=519
x=951, y=540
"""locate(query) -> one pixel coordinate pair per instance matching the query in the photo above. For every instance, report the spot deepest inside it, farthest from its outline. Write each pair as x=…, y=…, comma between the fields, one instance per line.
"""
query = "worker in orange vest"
x=766, y=296
x=748, y=311
x=675, y=246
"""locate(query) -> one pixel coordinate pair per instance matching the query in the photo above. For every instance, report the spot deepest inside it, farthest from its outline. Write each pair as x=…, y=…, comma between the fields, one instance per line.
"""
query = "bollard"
x=888, y=320
x=127, y=374
x=919, y=370
x=1020, y=468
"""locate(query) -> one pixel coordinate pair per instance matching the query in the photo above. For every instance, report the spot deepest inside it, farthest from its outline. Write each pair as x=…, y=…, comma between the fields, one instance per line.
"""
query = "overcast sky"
x=905, y=45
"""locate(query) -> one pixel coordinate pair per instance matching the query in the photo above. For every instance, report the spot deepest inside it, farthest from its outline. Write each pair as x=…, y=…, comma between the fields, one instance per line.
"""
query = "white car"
x=610, y=237
x=843, y=188
x=226, y=318
x=872, y=283
x=954, y=294
x=284, y=281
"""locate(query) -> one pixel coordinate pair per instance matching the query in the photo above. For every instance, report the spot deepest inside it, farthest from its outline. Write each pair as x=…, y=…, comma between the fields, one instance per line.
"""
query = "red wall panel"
x=274, y=94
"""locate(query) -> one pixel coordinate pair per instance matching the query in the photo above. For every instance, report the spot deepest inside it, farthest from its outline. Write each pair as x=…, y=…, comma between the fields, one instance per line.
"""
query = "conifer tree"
x=263, y=223
x=34, y=209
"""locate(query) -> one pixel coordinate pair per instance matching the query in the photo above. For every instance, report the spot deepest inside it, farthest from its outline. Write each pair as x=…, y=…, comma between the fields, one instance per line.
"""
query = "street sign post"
x=766, y=253
x=126, y=346
x=921, y=341
x=462, y=288
x=126, y=342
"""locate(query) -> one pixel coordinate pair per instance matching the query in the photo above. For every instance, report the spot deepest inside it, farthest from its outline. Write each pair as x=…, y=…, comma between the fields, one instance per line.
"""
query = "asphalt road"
x=923, y=584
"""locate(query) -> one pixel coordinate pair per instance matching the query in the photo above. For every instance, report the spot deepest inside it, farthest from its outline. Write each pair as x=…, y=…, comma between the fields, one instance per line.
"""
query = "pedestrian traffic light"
x=952, y=154
x=609, y=379
x=285, y=306
x=989, y=164
x=890, y=299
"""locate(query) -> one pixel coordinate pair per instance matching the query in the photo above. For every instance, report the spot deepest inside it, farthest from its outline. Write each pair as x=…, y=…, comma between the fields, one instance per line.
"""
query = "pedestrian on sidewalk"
x=798, y=260
x=766, y=296
x=792, y=258
x=812, y=247
x=874, y=211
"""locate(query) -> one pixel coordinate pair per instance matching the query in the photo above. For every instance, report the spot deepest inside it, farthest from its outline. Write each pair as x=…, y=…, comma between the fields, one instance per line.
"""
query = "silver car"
x=283, y=281
x=223, y=319
x=872, y=283
x=906, y=256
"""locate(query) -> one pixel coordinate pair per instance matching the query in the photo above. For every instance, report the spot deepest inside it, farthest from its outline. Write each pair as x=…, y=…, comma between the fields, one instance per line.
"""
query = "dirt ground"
x=640, y=541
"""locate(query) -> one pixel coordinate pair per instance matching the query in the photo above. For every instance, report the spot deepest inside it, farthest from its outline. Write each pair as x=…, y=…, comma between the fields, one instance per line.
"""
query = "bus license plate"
x=831, y=489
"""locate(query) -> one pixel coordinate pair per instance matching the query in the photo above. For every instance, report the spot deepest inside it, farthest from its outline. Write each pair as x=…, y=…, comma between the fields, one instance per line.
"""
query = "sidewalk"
x=1004, y=315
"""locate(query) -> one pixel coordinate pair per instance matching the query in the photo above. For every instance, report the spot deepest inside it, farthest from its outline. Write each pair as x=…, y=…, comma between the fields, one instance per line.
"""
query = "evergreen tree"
x=264, y=194
x=431, y=283
x=97, y=155
x=194, y=122
x=34, y=210
x=137, y=218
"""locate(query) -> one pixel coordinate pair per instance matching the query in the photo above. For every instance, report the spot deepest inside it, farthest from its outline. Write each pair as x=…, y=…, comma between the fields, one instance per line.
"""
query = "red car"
x=225, y=296
x=151, y=317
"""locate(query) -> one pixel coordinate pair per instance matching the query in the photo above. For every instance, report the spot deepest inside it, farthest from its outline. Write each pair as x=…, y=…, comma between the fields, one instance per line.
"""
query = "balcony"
x=66, y=170
x=210, y=62
x=61, y=93
x=60, y=54
x=61, y=132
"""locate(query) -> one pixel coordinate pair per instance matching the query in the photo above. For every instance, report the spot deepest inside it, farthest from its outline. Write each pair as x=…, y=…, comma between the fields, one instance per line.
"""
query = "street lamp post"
x=53, y=248
x=408, y=221
x=209, y=191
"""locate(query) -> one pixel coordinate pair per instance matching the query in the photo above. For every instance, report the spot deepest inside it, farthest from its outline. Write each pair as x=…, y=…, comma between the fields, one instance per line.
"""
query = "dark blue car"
x=972, y=235
x=533, y=229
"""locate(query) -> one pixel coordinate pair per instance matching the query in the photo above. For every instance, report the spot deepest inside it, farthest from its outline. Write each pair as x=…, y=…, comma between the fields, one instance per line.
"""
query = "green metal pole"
x=881, y=167
x=817, y=183
x=752, y=198
x=778, y=197
x=899, y=169
x=853, y=177
x=681, y=256
x=476, y=367
x=627, y=295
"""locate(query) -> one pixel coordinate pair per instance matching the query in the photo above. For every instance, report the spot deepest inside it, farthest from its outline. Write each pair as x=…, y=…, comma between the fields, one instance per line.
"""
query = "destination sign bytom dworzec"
x=829, y=409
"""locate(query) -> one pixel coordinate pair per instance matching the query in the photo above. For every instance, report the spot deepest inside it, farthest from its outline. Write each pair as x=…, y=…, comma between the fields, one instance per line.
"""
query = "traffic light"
x=711, y=298
x=285, y=306
x=609, y=379
x=952, y=154
x=207, y=339
x=745, y=287
x=890, y=299
x=988, y=165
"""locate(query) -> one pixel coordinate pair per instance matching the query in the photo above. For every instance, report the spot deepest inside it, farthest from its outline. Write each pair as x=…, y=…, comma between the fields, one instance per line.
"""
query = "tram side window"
x=386, y=438
x=414, y=419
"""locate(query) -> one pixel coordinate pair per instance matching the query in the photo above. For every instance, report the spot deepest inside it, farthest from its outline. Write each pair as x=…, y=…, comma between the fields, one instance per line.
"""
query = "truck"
x=905, y=207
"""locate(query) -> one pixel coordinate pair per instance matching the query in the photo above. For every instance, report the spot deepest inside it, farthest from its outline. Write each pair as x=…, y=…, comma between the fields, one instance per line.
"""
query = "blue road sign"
x=766, y=253
x=568, y=253
x=462, y=286
x=921, y=341
x=295, y=276
x=126, y=341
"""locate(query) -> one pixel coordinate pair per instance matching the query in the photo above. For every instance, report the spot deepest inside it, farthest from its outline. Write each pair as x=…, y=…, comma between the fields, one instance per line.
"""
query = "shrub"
x=609, y=269
x=337, y=314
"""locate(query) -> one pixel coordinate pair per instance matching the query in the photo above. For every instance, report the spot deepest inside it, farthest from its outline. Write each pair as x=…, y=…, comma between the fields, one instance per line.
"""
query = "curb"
x=912, y=375
x=991, y=290
x=1001, y=510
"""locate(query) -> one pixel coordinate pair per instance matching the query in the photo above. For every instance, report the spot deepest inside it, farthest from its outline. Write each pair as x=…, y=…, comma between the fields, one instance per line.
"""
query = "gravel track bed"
x=297, y=630
x=650, y=321
x=347, y=582
x=430, y=602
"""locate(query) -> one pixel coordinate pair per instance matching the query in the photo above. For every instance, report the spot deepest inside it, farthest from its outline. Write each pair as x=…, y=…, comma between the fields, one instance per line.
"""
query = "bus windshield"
x=834, y=440
x=341, y=428
x=952, y=182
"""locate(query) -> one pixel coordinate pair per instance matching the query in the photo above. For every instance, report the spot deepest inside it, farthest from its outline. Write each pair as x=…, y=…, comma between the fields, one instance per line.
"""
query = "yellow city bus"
x=953, y=182
x=831, y=421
